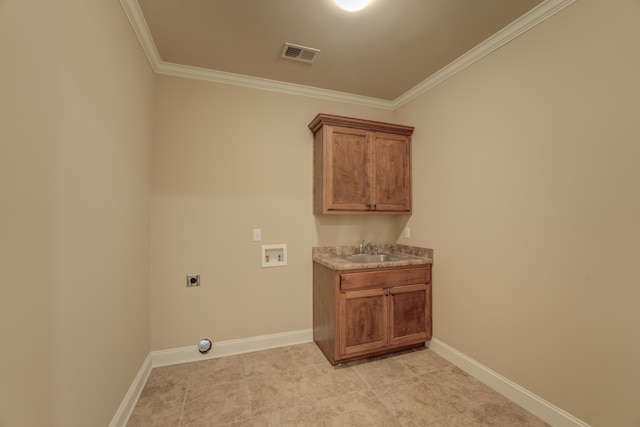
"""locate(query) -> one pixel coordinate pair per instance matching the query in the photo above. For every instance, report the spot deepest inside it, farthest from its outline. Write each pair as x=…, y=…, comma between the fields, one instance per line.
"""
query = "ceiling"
x=381, y=52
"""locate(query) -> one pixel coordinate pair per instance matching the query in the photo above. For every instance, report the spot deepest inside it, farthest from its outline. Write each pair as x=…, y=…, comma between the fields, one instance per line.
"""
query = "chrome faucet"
x=372, y=244
x=362, y=249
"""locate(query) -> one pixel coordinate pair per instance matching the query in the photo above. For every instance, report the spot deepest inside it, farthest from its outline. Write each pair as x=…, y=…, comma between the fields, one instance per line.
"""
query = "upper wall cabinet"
x=360, y=166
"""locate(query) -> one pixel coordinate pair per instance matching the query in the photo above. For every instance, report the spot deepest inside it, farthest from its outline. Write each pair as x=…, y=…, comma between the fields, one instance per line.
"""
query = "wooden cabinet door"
x=391, y=177
x=347, y=163
x=363, y=321
x=409, y=314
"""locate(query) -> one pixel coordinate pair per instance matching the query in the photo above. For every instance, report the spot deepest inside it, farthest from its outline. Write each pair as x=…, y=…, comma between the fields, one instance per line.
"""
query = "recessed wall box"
x=193, y=280
x=274, y=255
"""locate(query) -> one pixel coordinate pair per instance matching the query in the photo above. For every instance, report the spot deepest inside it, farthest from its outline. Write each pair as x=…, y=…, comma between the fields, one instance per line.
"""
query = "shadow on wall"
x=350, y=229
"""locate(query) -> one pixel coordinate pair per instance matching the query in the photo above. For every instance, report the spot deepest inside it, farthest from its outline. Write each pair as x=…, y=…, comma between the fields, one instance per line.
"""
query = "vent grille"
x=299, y=53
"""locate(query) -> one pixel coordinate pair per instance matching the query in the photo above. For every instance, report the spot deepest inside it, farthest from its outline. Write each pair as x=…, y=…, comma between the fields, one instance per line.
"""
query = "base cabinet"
x=363, y=313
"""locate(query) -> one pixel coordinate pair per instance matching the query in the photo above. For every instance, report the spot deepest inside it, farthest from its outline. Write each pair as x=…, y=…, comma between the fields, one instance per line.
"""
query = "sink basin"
x=372, y=258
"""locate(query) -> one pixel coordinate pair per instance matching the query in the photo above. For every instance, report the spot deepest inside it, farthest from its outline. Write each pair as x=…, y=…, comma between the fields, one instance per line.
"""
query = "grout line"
x=184, y=399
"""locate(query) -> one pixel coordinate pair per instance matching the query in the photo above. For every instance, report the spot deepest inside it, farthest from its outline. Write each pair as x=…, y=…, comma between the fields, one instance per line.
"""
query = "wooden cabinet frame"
x=361, y=166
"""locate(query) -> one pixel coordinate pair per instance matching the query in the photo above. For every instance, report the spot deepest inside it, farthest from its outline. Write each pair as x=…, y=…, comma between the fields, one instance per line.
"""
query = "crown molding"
x=537, y=15
x=139, y=25
x=270, y=85
x=510, y=32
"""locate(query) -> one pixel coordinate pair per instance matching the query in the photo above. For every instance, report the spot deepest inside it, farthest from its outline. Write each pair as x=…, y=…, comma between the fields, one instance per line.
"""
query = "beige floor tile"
x=160, y=403
x=422, y=361
x=413, y=403
x=501, y=412
x=268, y=362
x=307, y=354
x=167, y=378
x=326, y=381
x=459, y=388
x=243, y=423
x=272, y=352
x=156, y=415
x=308, y=415
x=460, y=420
x=277, y=391
x=381, y=371
x=359, y=409
x=216, y=405
x=162, y=396
x=296, y=386
x=216, y=371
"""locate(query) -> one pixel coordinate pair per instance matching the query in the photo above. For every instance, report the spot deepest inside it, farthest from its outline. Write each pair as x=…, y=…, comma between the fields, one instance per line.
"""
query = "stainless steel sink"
x=372, y=258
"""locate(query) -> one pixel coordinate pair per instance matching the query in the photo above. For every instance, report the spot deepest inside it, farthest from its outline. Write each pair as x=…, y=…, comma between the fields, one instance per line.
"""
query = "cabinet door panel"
x=392, y=172
x=410, y=308
x=348, y=167
x=363, y=321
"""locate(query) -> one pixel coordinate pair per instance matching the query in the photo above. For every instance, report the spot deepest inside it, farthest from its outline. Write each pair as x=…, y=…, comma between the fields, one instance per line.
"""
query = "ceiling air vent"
x=299, y=53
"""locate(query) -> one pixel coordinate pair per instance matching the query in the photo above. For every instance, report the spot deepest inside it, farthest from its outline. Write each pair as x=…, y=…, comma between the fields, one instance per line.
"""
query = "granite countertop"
x=331, y=256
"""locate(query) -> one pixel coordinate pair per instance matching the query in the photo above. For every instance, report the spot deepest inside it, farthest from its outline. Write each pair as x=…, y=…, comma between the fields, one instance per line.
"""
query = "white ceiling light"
x=352, y=5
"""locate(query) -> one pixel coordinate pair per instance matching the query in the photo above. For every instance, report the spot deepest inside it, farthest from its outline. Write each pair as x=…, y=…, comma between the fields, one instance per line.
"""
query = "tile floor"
x=296, y=386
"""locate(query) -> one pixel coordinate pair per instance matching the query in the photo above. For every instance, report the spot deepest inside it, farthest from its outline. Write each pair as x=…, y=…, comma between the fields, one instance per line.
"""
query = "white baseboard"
x=512, y=391
x=131, y=398
x=176, y=356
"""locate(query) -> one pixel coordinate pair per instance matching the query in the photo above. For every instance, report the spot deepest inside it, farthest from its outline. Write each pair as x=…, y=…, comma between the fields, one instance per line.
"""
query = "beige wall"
x=526, y=184
x=75, y=134
x=226, y=160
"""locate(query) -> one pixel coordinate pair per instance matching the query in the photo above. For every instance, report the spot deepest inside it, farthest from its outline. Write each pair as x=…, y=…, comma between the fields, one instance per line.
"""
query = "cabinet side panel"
x=318, y=176
x=429, y=313
x=324, y=309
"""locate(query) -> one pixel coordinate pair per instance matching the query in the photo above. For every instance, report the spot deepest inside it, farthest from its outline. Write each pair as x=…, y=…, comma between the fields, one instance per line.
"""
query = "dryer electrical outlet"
x=193, y=280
